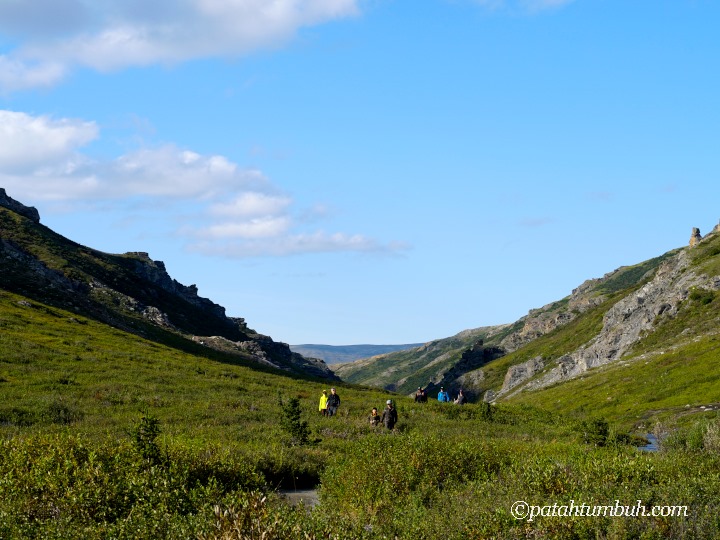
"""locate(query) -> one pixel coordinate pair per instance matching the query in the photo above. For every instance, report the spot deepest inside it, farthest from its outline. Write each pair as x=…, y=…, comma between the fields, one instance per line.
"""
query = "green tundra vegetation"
x=105, y=434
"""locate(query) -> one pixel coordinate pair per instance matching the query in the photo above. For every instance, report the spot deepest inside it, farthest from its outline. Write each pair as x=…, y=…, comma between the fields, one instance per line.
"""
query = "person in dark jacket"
x=333, y=402
x=389, y=416
x=420, y=395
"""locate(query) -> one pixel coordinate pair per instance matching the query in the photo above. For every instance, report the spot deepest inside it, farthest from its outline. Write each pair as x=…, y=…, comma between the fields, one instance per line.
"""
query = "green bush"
x=702, y=296
x=386, y=471
x=145, y=435
x=291, y=421
x=595, y=431
x=62, y=486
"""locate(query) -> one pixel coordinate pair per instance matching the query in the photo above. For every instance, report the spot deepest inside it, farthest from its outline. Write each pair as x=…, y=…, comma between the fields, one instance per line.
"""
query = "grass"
x=551, y=346
x=705, y=255
x=411, y=365
x=681, y=354
x=112, y=434
x=50, y=357
x=404, y=371
x=105, y=434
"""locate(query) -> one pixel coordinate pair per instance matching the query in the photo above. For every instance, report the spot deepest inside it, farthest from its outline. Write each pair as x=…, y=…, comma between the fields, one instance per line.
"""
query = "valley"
x=132, y=408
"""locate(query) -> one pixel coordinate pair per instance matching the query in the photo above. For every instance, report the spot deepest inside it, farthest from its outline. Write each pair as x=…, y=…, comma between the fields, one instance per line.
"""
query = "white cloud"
x=225, y=209
x=265, y=227
x=114, y=34
x=295, y=244
x=17, y=75
x=252, y=204
x=40, y=158
x=29, y=142
x=43, y=17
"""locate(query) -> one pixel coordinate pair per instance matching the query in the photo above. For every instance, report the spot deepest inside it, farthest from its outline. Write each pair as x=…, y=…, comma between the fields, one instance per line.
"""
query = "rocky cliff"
x=8, y=202
x=129, y=291
x=605, y=318
x=624, y=324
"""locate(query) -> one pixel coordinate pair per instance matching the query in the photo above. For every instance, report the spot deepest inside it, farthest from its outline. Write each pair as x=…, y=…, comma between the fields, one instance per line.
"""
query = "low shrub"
x=62, y=486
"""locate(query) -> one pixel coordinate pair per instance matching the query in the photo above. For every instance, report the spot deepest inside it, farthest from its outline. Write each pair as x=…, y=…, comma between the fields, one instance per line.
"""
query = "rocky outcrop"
x=625, y=323
x=267, y=352
x=695, y=237
x=155, y=272
x=544, y=320
x=521, y=372
x=131, y=292
x=8, y=202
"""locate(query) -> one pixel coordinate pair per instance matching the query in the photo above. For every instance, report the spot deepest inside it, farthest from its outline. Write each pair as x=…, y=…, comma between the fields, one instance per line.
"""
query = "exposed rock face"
x=695, y=237
x=130, y=292
x=155, y=272
x=29, y=212
x=521, y=372
x=626, y=322
x=539, y=322
x=14, y=254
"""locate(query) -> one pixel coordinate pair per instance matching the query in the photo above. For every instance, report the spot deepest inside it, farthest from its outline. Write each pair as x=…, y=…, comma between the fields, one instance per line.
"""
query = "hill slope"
x=639, y=311
x=130, y=292
x=454, y=362
x=144, y=433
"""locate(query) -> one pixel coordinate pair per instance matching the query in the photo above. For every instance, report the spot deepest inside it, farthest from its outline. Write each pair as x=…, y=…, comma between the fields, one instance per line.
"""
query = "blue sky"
x=366, y=171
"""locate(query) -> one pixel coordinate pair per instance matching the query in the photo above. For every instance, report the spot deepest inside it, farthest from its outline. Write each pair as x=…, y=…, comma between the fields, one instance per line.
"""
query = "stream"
x=652, y=445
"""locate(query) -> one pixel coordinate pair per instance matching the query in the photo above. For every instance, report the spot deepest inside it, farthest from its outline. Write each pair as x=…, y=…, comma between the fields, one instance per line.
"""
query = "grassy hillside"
x=130, y=292
x=576, y=319
x=671, y=376
x=58, y=368
x=105, y=434
x=70, y=275
x=404, y=371
x=135, y=431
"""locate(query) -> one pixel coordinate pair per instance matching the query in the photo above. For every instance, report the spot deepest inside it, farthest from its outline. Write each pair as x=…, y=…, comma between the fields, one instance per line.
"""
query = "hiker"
x=323, y=403
x=374, y=417
x=333, y=402
x=443, y=396
x=420, y=395
x=389, y=416
x=460, y=400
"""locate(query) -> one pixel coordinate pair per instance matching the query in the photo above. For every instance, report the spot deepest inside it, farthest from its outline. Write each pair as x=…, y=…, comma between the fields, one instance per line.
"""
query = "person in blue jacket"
x=443, y=396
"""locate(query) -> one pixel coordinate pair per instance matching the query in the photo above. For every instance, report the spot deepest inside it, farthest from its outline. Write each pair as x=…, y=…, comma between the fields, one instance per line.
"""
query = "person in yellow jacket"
x=323, y=403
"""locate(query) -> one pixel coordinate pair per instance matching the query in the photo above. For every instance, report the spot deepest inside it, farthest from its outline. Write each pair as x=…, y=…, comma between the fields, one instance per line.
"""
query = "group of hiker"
x=329, y=405
x=443, y=397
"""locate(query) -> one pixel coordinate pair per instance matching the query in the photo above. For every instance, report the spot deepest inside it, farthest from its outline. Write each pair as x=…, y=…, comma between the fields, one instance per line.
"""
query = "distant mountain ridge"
x=336, y=354
x=128, y=291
